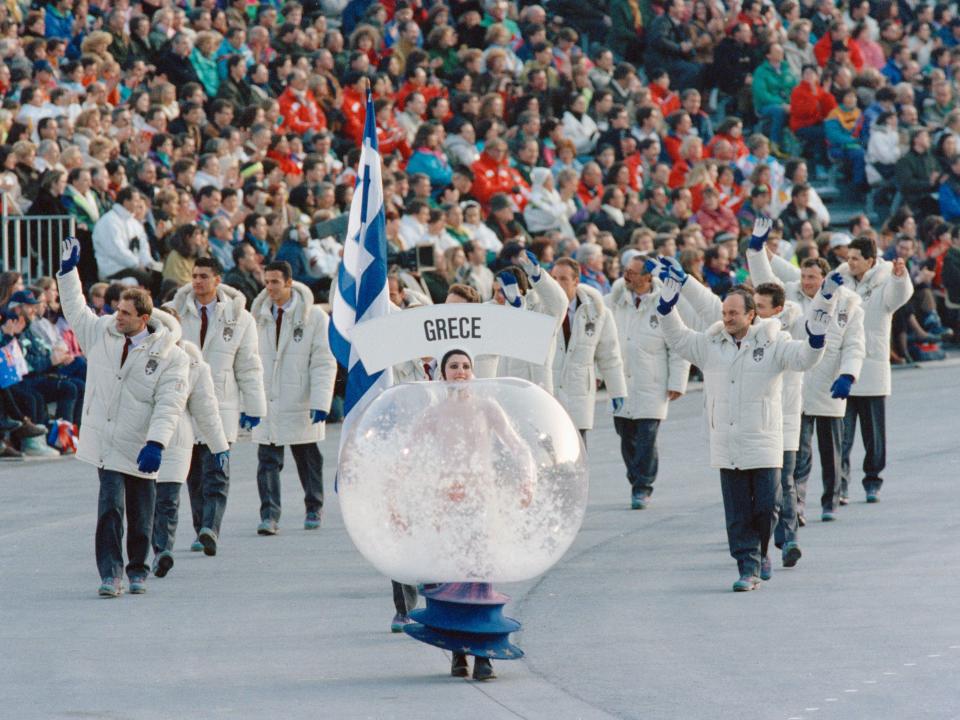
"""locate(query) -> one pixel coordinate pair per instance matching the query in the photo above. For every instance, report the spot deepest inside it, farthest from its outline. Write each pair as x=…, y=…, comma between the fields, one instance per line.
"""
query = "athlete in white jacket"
x=136, y=390
x=743, y=360
x=298, y=376
x=214, y=318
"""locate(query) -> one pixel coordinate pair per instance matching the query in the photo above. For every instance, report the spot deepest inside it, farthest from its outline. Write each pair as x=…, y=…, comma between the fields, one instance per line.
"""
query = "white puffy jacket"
x=201, y=411
x=742, y=387
x=845, y=347
x=547, y=297
x=583, y=132
x=230, y=349
x=650, y=368
x=112, y=237
x=881, y=294
x=298, y=375
x=593, y=345
x=125, y=407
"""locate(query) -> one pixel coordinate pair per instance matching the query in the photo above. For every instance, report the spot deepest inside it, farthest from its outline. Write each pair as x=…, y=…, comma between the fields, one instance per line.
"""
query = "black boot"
x=483, y=669
x=29, y=429
x=9, y=425
x=459, y=667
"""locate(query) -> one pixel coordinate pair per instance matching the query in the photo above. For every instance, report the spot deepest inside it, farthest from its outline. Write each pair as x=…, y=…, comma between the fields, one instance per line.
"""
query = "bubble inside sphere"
x=463, y=482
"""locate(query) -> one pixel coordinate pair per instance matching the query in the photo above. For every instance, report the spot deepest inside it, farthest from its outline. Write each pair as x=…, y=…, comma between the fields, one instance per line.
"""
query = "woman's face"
x=457, y=368
x=60, y=185
x=472, y=215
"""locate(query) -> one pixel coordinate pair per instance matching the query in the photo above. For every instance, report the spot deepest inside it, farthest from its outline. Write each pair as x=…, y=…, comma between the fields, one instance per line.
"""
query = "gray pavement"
x=637, y=621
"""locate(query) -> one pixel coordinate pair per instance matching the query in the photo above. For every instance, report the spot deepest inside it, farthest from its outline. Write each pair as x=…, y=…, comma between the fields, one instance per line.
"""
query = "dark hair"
x=127, y=193
x=867, y=246
x=447, y=355
x=209, y=262
x=239, y=250
x=772, y=291
x=280, y=266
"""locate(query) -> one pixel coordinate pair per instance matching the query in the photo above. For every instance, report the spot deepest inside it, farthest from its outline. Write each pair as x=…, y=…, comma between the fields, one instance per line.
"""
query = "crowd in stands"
x=231, y=129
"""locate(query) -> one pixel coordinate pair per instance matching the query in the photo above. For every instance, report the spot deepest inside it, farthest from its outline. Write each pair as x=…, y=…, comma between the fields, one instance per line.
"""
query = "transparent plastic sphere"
x=483, y=480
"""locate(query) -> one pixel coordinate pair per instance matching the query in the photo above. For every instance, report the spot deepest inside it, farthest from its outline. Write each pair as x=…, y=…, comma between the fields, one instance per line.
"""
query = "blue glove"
x=531, y=266
x=317, y=416
x=148, y=461
x=671, y=268
x=830, y=284
x=222, y=459
x=248, y=422
x=669, y=295
x=509, y=288
x=69, y=254
x=761, y=228
x=841, y=387
x=651, y=266
x=617, y=403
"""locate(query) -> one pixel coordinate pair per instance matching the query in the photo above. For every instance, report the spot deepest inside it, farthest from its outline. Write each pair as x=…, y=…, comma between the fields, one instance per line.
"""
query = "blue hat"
x=42, y=66
x=22, y=297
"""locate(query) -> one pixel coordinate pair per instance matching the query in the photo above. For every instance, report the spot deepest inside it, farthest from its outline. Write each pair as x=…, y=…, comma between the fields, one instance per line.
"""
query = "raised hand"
x=531, y=266
x=830, y=284
x=817, y=328
x=69, y=254
x=669, y=295
x=761, y=228
x=672, y=269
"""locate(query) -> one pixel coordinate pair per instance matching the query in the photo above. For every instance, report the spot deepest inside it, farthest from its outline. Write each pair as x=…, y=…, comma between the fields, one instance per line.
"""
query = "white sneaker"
x=37, y=447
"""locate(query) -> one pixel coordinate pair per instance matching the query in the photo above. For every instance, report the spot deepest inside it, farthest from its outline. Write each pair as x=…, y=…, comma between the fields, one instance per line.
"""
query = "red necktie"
x=566, y=329
x=203, y=325
x=279, y=323
x=126, y=347
x=426, y=369
x=636, y=302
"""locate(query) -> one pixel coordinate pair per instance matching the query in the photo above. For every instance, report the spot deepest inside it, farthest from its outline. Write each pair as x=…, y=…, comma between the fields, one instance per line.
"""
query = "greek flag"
x=360, y=292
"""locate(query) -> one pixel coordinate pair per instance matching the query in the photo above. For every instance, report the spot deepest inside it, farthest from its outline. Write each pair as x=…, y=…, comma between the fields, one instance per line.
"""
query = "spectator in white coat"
x=579, y=127
x=587, y=343
x=655, y=375
x=120, y=243
x=743, y=360
x=827, y=385
x=136, y=390
x=298, y=375
x=545, y=209
x=201, y=412
x=214, y=319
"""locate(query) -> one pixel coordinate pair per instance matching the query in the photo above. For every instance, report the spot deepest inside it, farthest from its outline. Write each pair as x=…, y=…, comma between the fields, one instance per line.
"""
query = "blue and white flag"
x=361, y=292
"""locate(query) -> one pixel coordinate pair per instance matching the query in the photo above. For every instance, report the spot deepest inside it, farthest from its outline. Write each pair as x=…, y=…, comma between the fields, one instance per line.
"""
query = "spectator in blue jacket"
x=291, y=251
x=58, y=21
x=428, y=159
x=950, y=192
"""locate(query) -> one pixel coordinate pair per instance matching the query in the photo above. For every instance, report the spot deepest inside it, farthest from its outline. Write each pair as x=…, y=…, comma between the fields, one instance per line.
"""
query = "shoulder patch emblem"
x=297, y=334
x=151, y=367
x=758, y=354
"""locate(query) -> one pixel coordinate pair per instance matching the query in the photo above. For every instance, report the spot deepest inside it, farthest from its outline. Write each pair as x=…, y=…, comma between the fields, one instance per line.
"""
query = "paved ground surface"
x=637, y=621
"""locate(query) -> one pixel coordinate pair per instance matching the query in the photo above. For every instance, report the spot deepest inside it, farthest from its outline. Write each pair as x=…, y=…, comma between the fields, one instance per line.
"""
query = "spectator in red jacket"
x=390, y=136
x=690, y=154
x=591, y=184
x=810, y=103
x=838, y=33
x=301, y=112
x=714, y=218
x=492, y=174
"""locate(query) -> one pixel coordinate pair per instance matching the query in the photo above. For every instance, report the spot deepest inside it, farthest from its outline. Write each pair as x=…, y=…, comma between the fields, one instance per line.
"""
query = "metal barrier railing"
x=30, y=244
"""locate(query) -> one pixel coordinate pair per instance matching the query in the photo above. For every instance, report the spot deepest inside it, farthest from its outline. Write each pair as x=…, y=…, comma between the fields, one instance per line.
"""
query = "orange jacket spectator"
x=664, y=99
x=588, y=194
x=809, y=105
x=739, y=146
x=429, y=92
x=353, y=111
x=492, y=174
x=678, y=174
x=301, y=112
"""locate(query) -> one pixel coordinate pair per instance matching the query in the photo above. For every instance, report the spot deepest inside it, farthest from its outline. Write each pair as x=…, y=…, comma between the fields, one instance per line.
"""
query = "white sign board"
x=432, y=330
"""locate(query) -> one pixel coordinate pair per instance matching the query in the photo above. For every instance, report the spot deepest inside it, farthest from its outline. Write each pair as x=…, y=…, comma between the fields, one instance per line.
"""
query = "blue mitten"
x=248, y=422
x=841, y=387
x=509, y=288
x=317, y=416
x=148, y=461
x=222, y=458
x=617, y=403
x=69, y=254
x=761, y=228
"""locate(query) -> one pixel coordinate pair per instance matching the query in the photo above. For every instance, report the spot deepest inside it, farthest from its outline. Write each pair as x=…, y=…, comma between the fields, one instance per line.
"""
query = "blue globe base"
x=466, y=618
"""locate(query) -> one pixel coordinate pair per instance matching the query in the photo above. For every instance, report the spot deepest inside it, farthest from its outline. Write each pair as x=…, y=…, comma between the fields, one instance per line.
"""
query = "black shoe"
x=29, y=429
x=208, y=538
x=801, y=521
x=483, y=669
x=459, y=667
x=9, y=425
